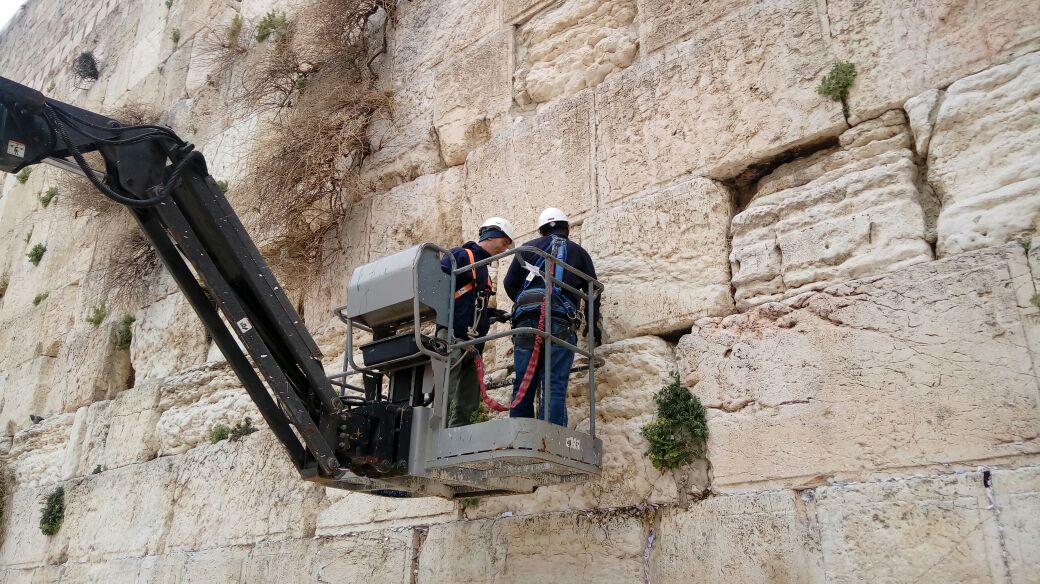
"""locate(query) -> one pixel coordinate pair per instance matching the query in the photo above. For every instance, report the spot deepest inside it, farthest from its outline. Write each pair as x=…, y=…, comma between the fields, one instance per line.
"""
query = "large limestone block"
x=349, y=512
x=756, y=538
x=119, y=513
x=24, y=545
x=114, y=571
x=847, y=212
x=663, y=22
x=544, y=161
x=223, y=564
x=740, y=92
x=88, y=438
x=131, y=437
x=662, y=259
x=167, y=337
x=241, y=492
x=931, y=530
x=38, y=452
x=360, y=558
x=192, y=402
x=89, y=368
x=403, y=141
x=903, y=48
x=472, y=94
x=913, y=369
x=574, y=45
x=984, y=158
x=423, y=210
x=595, y=547
x=288, y=561
x=1017, y=503
x=24, y=390
x=430, y=32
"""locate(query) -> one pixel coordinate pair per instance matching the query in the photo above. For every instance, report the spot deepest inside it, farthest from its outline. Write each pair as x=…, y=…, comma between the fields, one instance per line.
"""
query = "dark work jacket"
x=465, y=305
x=577, y=258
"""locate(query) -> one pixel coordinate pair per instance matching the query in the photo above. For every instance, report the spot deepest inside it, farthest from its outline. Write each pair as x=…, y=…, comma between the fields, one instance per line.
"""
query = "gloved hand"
x=498, y=315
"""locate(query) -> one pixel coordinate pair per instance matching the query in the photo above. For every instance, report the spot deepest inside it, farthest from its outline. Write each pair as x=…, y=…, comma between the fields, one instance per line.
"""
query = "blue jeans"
x=560, y=370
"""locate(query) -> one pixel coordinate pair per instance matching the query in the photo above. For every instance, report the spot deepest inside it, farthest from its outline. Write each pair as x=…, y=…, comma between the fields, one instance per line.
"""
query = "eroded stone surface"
x=843, y=213
x=697, y=108
x=550, y=548
x=667, y=21
x=167, y=337
x=844, y=381
x=901, y=49
x=741, y=539
x=983, y=158
x=512, y=175
x=662, y=259
x=471, y=97
x=931, y=530
x=1017, y=499
x=420, y=211
x=574, y=45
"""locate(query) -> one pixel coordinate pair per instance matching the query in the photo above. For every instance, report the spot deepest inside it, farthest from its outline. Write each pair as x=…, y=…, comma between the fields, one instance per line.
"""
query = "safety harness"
x=480, y=302
x=559, y=250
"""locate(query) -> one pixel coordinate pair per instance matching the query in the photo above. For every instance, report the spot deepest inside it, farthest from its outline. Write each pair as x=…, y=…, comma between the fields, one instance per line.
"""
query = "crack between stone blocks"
x=419, y=534
x=652, y=521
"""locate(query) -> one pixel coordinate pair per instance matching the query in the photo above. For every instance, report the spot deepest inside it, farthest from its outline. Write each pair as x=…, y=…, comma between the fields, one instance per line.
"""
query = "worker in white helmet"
x=473, y=315
x=525, y=287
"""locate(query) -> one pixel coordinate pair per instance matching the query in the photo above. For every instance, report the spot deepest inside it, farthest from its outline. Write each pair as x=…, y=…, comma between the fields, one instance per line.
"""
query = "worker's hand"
x=498, y=315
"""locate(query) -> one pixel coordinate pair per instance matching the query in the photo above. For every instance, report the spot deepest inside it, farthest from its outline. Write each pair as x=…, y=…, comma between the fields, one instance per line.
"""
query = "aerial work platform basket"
x=404, y=303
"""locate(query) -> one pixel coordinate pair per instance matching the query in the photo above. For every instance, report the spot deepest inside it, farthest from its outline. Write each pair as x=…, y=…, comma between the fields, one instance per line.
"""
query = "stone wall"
x=854, y=300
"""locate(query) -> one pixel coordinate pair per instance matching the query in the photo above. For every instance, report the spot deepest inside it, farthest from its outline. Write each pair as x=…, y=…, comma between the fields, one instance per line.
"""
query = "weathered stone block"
x=663, y=22
x=574, y=45
x=548, y=548
x=376, y=556
x=90, y=367
x=984, y=159
x=24, y=545
x=472, y=94
x=88, y=438
x=423, y=210
x=24, y=390
x=742, y=539
x=217, y=506
x=121, y=512
x=662, y=259
x=283, y=561
x=1017, y=494
x=131, y=437
x=932, y=530
x=430, y=32
x=699, y=108
x=844, y=213
x=348, y=512
x=844, y=381
x=901, y=49
x=38, y=452
x=167, y=337
x=194, y=401
x=509, y=176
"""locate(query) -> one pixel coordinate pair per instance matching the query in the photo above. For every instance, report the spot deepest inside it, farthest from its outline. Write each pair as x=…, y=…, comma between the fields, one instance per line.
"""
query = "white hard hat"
x=550, y=216
x=501, y=224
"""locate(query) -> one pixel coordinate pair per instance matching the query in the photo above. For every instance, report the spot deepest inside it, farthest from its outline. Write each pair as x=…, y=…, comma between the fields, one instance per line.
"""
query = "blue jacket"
x=577, y=258
x=465, y=304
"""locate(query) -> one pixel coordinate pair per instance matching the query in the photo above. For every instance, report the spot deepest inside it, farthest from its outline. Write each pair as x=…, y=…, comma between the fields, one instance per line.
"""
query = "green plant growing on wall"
x=242, y=429
x=53, y=512
x=169, y=4
x=679, y=432
x=23, y=175
x=175, y=35
x=36, y=253
x=50, y=86
x=124, y=334
x=97, y=470
x=40, y=298
x=97, y=315
x=222, y=185
x=218, y=433
x=1035, y=300
x=271, y=23
x=481, y=414
x=836, y=84
x=46, y=198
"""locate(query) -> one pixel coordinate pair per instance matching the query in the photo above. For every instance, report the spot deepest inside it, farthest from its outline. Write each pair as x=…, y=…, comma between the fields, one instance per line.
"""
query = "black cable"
x=111, y=141
x=58, y=127
x=70, y=118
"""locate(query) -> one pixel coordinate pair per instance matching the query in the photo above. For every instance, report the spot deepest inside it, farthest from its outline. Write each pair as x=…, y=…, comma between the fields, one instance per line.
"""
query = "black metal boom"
x=165, y=184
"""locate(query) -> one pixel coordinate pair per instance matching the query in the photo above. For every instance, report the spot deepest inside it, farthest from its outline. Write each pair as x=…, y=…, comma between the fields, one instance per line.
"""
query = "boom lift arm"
x=165, y=185
x=393, y=438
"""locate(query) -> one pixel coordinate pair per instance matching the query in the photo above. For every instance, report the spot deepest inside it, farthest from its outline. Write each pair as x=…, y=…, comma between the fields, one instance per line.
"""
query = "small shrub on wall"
x=53, y=513
x=679, y=433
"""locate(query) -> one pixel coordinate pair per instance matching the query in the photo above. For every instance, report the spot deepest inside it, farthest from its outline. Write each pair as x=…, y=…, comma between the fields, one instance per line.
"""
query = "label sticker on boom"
x=244, y=325
x=16, y=149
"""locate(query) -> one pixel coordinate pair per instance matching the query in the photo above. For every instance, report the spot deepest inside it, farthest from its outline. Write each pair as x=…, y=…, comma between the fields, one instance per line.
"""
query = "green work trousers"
x=463, y=390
